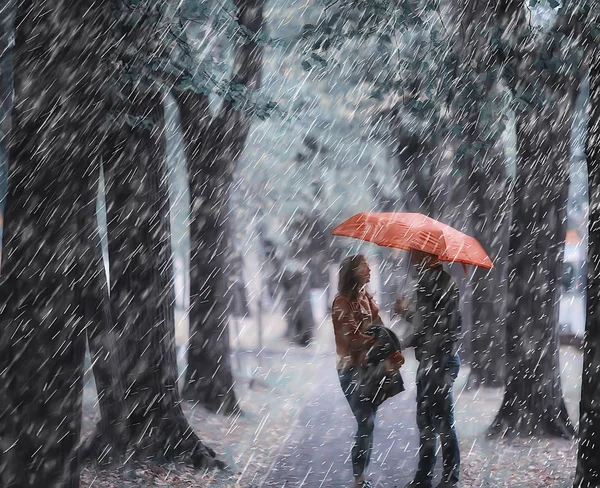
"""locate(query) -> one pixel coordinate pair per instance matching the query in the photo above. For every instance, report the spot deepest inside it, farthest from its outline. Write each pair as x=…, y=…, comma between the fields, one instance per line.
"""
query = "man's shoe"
x=418, y=484
x=447, y=484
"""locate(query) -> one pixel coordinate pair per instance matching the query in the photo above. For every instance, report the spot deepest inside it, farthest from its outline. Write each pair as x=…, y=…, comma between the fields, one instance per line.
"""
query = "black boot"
x=447, y=484
x=418, y=484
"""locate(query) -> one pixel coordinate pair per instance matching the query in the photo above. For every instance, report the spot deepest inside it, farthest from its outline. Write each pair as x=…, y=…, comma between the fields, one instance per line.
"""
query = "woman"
x=353, y=312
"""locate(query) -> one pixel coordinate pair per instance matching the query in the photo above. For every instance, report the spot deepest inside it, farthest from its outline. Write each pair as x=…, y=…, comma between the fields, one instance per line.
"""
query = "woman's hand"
x=371, y=339
x=394, y=361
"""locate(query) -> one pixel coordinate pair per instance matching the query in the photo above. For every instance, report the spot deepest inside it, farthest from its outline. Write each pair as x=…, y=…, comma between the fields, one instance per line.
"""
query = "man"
x=437, y=324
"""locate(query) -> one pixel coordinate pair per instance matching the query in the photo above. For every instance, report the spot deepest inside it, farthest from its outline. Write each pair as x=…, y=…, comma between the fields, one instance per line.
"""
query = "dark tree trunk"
x=489, y=310
x=141, y=297
x=588, y=455
x=414, y=155
x=111, y=436
x=6, y=94
x=417, y=160
x=141, y=282
x=533, y=402
x=488, y=187
x=481, y=165
x=297, y=307
x=48, y=272
x=213, y=148
x=110, y=439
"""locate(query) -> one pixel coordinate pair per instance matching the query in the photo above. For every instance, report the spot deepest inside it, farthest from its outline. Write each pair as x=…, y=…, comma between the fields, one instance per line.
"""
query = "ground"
x=283, y=385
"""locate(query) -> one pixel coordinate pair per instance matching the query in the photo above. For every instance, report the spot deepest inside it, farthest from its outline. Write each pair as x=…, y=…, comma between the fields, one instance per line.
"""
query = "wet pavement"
x=318, y=452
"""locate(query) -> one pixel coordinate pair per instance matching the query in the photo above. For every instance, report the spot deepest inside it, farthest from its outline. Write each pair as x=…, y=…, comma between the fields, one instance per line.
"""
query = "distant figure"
x=298, y=311
x=353, y=312
x=437, y=325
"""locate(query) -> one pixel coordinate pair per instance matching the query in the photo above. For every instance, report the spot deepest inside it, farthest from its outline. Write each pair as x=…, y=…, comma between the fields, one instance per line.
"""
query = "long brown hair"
x=347, y=284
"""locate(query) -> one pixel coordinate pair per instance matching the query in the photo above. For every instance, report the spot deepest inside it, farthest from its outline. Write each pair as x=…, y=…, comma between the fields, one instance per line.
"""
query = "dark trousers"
x=364, y=411
x=435, y=416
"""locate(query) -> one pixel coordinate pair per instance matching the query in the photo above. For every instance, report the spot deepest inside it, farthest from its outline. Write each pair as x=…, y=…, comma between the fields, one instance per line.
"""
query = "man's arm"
x=452, y=317
x=402, y=309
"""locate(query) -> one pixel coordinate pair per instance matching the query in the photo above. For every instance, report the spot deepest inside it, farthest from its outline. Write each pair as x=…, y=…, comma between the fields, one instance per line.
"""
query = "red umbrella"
x=415, y=231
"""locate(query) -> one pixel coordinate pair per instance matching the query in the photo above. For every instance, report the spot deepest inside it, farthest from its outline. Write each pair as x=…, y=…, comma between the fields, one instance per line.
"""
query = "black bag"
x=377, y=384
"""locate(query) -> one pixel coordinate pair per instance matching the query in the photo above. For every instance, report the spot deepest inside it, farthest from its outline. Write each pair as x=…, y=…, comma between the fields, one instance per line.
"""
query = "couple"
x=437, y=322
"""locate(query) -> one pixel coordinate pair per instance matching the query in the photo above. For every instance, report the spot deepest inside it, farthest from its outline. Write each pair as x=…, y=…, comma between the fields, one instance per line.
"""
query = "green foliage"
x=187, y=49
x=409, y=52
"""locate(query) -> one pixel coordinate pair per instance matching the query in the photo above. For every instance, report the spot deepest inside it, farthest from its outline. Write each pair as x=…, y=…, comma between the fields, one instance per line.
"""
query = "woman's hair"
x=347, y=284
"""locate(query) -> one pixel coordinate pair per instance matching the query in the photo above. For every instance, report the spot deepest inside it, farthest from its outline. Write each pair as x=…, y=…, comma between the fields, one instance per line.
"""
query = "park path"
x=297, y=428
x=317, y=453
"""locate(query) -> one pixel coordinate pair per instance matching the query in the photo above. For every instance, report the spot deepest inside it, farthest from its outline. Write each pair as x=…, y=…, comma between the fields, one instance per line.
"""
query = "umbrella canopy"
x=415, y=231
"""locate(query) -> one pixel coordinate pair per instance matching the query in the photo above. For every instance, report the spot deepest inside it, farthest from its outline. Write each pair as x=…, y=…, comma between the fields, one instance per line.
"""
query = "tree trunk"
x=414, y=155
x=475, y=101
x=111, y=436
x=489, y=191
x=297, y=307
x=141, y=282
x=213, y=148
x=489, y=310
x=47, y=269
x=141, y=296
x=587, y=474
x=533, y=402
x=6, y=95
x=417, y=160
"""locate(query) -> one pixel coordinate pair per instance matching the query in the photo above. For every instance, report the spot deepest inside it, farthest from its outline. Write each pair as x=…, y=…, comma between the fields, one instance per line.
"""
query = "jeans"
x=435, y=416
x=364, y=411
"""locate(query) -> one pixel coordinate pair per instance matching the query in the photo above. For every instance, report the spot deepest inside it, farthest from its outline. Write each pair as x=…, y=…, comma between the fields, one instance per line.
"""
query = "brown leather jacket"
x=351, y=319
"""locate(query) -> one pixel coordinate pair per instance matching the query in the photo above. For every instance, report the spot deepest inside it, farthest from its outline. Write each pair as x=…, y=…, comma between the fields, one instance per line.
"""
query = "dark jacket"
x=437, y=319
x=378, y=384
x=386, y=344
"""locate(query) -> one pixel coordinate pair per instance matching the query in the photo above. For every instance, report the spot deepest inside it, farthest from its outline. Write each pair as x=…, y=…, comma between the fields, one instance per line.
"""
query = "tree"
x=213, y=148
x=140, y=254
x=588, y=455
x=49, y=262
x=533, y=403
x=111, y=437
x=477, y=97
x=490, y=191
x=141, y=283
x=6, y=93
